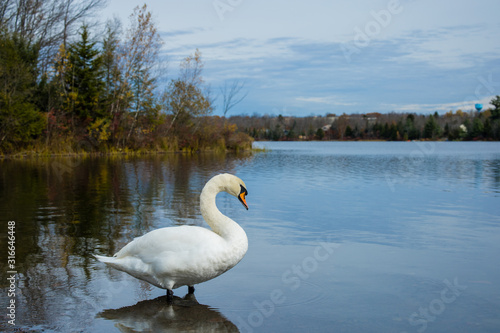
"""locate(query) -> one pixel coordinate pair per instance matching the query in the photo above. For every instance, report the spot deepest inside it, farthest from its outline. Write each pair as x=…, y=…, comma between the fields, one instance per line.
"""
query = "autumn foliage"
x=78, y=93
x=453, y=125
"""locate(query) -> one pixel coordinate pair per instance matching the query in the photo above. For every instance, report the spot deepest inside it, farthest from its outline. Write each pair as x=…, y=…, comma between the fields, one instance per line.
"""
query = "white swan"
x=187, y=255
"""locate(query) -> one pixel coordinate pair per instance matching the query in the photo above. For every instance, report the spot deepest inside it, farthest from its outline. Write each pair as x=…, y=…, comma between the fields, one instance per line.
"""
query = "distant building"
x=331, y=118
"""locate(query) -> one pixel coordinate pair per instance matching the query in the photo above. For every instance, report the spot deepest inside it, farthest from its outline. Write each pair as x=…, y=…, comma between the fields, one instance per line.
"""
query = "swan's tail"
x=133, y=266
x=104, y=259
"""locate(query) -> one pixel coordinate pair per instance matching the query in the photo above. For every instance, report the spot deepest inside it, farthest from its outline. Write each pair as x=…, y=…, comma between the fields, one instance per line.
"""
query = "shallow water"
x=343, y=237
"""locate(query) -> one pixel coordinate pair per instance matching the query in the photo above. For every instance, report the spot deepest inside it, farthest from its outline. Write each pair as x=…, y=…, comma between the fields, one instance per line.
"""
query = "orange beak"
x=242, y=195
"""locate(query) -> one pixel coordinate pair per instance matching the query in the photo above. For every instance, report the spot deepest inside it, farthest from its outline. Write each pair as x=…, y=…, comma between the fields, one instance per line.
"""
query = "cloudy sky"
x=315, y=57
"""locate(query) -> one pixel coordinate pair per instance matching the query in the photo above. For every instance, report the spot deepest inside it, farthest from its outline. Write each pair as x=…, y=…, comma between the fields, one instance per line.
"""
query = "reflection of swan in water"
x=187, y=255
x=158, y=315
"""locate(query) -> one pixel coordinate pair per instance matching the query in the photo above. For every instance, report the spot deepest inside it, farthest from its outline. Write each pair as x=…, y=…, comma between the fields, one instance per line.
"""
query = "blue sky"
x=299, y=58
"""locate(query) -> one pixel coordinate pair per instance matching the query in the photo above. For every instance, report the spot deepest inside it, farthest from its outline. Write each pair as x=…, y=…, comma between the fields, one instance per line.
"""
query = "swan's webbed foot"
x=190, y=289
x=170, y=296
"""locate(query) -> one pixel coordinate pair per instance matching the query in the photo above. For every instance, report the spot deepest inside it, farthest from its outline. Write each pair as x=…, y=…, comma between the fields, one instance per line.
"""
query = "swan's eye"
x=243, y=190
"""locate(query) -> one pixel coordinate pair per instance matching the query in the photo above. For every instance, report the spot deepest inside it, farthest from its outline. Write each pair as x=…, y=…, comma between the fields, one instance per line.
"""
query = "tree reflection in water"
x=67, y=209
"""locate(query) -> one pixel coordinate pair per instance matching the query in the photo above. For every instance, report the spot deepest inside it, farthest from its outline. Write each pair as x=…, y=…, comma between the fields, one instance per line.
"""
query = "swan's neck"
x=220, y=224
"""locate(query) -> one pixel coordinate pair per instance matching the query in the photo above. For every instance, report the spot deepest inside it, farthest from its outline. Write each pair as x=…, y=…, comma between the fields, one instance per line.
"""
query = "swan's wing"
x=167, y=251
x=173, y=256
x=169, y=240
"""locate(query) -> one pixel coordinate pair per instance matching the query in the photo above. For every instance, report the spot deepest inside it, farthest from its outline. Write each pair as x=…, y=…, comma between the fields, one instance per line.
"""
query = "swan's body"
x=187, y=255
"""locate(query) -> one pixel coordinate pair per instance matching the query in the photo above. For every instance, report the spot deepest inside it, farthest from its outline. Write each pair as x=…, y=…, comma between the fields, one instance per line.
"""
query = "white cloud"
x=328, y=100
x=455, y=47
x=430, y=53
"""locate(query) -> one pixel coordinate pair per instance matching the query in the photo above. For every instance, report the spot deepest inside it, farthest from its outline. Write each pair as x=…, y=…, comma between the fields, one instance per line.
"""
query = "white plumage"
x=187, y=255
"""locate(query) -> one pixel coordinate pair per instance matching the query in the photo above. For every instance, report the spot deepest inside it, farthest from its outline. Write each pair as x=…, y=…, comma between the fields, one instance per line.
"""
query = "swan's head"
x=236, y=187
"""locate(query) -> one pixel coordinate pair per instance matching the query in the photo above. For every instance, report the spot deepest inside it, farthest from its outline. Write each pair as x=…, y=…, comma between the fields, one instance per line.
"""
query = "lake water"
x=343, y=237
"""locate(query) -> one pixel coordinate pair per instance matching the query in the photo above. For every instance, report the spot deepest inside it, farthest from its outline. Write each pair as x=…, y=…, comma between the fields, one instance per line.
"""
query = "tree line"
x=64, y=88
x=454, y=125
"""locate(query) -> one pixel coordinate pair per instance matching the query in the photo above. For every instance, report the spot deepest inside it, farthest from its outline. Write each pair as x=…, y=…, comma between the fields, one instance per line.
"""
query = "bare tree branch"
x=46, y=23
x=230, y=94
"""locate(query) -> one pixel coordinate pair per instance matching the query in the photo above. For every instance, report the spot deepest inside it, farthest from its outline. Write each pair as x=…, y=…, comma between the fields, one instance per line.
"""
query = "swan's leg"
x=190, y=289
x=170, y=296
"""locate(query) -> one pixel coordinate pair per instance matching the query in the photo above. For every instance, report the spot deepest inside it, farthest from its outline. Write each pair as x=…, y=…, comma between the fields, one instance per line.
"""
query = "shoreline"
x=21, y=155
x=143, y=152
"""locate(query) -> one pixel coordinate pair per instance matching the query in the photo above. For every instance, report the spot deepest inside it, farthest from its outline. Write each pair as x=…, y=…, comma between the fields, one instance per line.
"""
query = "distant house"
x=372, y=117
x=326, y=128
x=331, y=118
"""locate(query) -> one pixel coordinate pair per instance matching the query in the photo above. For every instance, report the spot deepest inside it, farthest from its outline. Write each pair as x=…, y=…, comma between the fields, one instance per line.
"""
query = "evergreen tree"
x=477, y=128
x=488, y=129
x=446, y=132
x=349, y=132
x=393, y=132
x=20, y=118
x=84, y=81
x=320, y=134
x=385, y=133
x=495, y=113
x=431, y=128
